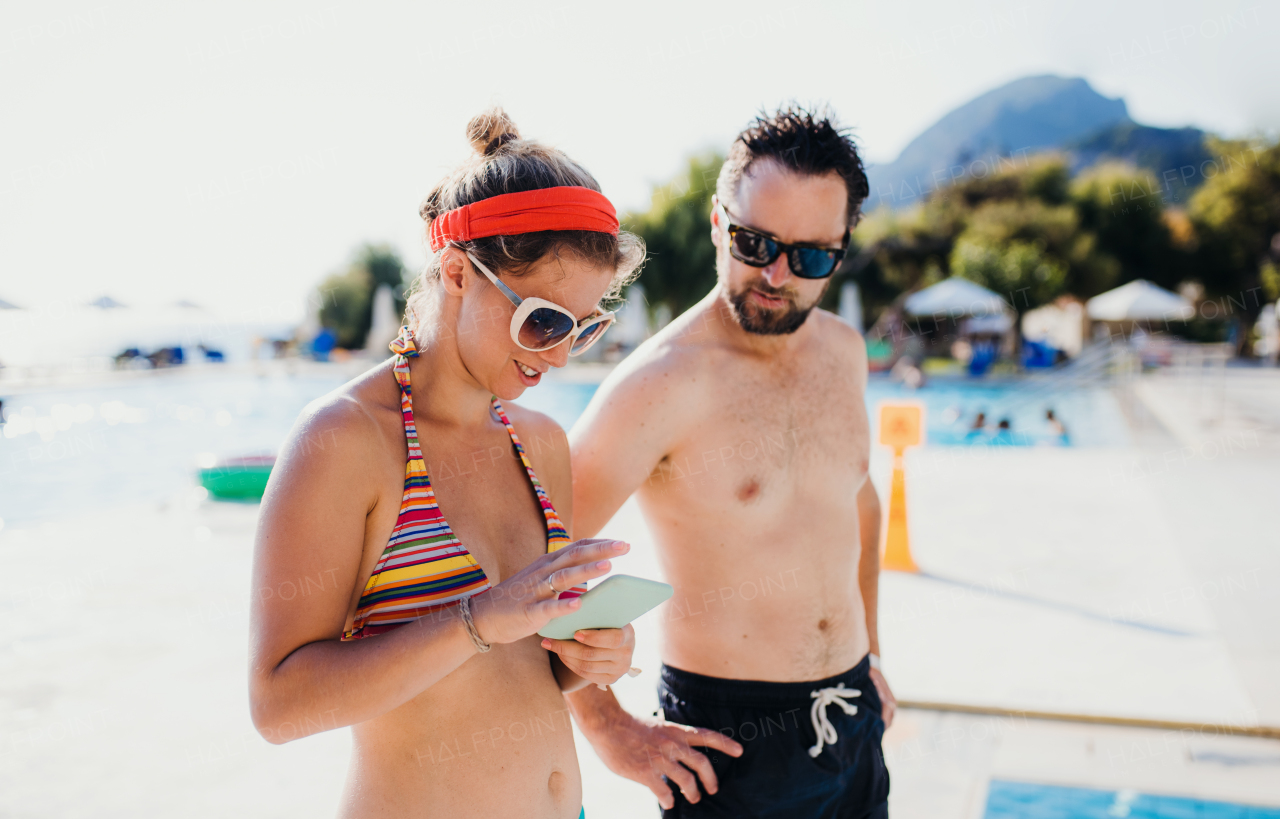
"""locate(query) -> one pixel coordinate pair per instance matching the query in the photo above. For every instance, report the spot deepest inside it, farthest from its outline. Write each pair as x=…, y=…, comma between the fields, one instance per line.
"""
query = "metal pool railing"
x=1103, y=364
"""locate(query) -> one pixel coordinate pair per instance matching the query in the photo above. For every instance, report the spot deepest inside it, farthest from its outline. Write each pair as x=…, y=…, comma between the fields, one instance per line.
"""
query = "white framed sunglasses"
x=539, y=325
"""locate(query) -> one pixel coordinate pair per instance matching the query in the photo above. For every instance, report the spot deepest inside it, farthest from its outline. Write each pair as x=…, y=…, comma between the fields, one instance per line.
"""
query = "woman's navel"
x=557, y=784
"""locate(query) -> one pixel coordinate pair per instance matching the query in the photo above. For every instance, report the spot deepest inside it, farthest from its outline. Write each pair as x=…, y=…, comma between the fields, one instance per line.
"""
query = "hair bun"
x=490, y=131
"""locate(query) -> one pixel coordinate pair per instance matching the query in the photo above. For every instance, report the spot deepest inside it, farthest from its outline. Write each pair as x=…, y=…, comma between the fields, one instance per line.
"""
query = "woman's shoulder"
x=337, y=459
x=345, y=422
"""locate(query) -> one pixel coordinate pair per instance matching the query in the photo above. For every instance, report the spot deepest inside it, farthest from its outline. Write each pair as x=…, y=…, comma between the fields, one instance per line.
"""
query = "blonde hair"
x=505, y=163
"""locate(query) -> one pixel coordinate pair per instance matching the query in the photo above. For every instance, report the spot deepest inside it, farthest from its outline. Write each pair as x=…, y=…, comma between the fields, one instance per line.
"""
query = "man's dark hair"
x=803, y=141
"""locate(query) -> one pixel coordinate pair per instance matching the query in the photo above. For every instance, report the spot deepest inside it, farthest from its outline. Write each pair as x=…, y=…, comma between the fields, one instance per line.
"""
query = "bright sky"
x=233, y=155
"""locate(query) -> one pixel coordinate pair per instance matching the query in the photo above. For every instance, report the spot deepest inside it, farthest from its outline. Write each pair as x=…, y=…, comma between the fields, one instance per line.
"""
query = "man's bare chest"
x=765, y=442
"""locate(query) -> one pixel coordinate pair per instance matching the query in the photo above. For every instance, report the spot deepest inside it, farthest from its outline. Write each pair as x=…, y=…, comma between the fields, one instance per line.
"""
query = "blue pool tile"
x=1027, y=800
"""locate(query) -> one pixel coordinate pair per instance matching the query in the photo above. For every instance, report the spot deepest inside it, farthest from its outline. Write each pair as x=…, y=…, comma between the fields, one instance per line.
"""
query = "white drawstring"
x=818, y=713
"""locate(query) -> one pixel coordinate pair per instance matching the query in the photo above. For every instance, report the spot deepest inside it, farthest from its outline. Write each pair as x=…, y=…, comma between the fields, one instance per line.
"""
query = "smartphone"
x=615, y=602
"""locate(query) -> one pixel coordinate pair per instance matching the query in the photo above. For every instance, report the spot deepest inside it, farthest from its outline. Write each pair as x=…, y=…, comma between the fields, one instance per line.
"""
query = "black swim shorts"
x=777, y=774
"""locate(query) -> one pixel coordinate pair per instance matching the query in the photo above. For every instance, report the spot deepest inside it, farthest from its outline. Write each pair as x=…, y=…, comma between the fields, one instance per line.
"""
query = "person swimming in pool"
x=441, y=535
x=978, y=429
x=1057, y=429
x=742, y=429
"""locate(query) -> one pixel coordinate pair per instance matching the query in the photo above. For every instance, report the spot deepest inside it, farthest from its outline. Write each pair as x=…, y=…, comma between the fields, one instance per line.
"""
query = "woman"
x=406, y=531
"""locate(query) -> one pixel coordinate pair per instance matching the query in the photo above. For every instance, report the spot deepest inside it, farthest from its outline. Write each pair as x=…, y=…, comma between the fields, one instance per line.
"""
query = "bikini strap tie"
x=403, y=344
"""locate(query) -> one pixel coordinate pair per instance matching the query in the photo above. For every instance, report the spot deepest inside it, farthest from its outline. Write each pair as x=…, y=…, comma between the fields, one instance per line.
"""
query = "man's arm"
x=646, y=749
x=630, y=425
x=869, y=562
x=869, y=585
x=869, y=541
x=622, y=435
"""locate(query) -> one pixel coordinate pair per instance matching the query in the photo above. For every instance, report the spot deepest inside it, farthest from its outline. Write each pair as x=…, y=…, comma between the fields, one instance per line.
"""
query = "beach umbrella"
x=1139, y=300
x=955, y=297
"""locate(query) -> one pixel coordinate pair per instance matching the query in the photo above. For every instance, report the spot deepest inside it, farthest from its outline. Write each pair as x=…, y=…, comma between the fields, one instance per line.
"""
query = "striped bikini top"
x=424, y=566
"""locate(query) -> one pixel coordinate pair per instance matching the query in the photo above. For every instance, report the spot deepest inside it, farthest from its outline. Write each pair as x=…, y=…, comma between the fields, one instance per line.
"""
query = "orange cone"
x=897, y=549
x=901, y=426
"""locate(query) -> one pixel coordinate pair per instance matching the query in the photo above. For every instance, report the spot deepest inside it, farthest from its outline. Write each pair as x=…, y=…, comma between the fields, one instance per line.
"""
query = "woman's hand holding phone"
x=525, y=602
x=598, y=655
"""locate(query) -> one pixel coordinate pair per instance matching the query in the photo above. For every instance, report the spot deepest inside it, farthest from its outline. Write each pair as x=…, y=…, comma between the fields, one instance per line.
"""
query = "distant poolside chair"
x=984, y=355
x=323, y=344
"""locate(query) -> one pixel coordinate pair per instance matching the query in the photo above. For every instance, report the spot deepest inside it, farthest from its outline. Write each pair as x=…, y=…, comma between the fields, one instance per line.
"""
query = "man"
x=742, y=428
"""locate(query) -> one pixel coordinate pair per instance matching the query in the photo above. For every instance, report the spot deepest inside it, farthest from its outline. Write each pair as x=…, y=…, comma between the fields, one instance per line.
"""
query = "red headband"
x=562, y=208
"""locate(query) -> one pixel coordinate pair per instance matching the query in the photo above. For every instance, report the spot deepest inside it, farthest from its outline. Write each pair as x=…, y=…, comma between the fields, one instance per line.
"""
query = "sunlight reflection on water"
x=141, y=440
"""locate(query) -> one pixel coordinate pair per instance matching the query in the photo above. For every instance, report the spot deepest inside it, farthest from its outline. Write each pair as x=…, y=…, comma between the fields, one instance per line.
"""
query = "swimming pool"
x=1091, y=414
x=1027, y=800
x=70, y=450
x=141, y=439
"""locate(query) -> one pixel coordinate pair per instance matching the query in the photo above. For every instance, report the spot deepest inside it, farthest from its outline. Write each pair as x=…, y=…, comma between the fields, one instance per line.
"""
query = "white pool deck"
x=1136, y=582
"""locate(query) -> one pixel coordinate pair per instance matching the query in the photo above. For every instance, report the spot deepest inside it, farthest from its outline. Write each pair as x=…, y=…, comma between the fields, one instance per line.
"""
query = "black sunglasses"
x=759, y=249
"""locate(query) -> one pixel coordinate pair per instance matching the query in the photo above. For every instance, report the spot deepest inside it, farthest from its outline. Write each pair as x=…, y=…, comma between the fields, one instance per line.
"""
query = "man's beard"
x=764, y=321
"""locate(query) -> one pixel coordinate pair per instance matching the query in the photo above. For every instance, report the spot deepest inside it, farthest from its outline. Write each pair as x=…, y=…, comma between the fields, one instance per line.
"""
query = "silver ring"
x=551, y=586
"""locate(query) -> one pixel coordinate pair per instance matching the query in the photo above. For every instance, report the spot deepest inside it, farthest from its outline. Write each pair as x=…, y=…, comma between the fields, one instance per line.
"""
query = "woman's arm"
x=599, y=656
x=307, y=559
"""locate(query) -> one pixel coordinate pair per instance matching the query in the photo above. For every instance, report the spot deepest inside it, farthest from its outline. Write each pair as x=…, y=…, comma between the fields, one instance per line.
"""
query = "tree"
x=891, y=253
x=1125, y=209
x=681, y=266
x=1236, y=218
x=1014, y=231
x=1022, y=271
x=1030, y=232
x=347, y=297
x=346, y=306
x=1025, y=249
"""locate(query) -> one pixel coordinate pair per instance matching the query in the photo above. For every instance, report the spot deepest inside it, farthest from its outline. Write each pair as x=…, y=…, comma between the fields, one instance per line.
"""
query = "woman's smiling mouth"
x=528, y=375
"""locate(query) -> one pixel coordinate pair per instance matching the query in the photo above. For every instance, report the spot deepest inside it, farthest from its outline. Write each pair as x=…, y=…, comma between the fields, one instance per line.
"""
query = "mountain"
x=1173, y=155
x=1014, y=121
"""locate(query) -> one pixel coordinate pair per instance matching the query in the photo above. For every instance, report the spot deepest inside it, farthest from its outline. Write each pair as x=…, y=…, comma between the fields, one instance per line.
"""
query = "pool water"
x=1091, y=415
x=1026, y=800
x=141, y=440
x=138, y=440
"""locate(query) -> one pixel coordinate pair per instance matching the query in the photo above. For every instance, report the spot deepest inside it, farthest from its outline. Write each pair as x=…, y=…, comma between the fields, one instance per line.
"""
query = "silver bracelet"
x=875, y=661
x=464, y=606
